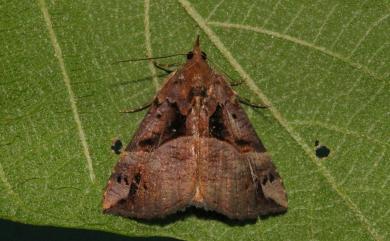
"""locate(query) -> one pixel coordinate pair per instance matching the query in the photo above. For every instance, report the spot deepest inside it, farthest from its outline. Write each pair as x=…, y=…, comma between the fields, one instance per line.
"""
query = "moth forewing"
x=195, y=147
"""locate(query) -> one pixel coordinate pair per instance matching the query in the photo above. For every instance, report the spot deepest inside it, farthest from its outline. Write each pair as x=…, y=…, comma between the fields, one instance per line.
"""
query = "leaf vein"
x=148, y=45
x=72, y=99
x=340, y=130
x=373, y=25
x=301, y=42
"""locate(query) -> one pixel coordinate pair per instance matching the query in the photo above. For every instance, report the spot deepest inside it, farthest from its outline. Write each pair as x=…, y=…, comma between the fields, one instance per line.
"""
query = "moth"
x=195, y=147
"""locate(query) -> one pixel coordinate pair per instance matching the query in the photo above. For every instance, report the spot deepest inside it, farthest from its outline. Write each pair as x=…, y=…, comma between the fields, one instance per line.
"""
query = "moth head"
x=190, y=55
x=196, y=53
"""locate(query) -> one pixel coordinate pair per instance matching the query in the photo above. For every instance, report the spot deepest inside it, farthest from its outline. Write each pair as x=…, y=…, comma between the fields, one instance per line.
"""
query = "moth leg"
x=168, y=68
x=247, y=102
x=141, y=108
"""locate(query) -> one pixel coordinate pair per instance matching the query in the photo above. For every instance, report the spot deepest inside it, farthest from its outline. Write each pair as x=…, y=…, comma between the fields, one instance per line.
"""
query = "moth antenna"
x=137, y=109
x=159, y=66
x=143, y=59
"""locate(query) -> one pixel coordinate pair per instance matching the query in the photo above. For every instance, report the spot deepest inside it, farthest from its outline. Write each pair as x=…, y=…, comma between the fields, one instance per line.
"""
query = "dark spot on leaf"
x=322, y=151
x=117, y=146
x=316, y=143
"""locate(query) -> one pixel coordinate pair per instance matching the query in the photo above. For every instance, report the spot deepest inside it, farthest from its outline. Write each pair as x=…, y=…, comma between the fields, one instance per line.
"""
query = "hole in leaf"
x=316, y=143
x=117, y=146
x=321, y=150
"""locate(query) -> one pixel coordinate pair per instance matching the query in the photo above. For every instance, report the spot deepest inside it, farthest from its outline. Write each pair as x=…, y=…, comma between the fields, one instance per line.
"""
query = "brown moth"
x=195, y=147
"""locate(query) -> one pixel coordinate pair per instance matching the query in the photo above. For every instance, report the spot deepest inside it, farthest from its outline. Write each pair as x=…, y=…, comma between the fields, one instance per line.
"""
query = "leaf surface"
x=323, y=67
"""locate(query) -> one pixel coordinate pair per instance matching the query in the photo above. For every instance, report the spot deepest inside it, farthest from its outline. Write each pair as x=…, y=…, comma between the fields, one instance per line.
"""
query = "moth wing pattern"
x=239, y=191
x=238, y=177
x=195, y=147
x=155, y=184
x=163, y=121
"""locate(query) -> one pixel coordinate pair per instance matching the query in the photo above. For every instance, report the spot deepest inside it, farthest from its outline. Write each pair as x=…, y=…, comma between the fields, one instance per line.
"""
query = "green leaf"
x=322, y=66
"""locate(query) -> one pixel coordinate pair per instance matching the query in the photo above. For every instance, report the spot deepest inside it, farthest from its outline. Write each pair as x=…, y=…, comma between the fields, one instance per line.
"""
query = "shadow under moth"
x=195, y=147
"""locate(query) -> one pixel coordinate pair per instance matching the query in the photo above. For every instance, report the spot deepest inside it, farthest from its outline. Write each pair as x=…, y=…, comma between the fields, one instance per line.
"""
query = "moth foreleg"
x=168, y=68
x=141, y=108
x=247, y=102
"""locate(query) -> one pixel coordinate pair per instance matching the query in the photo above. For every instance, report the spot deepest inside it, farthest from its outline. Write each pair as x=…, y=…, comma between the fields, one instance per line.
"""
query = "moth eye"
x=190, y=55
x=158, y=115
x=234, y=116
x=204, y=55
